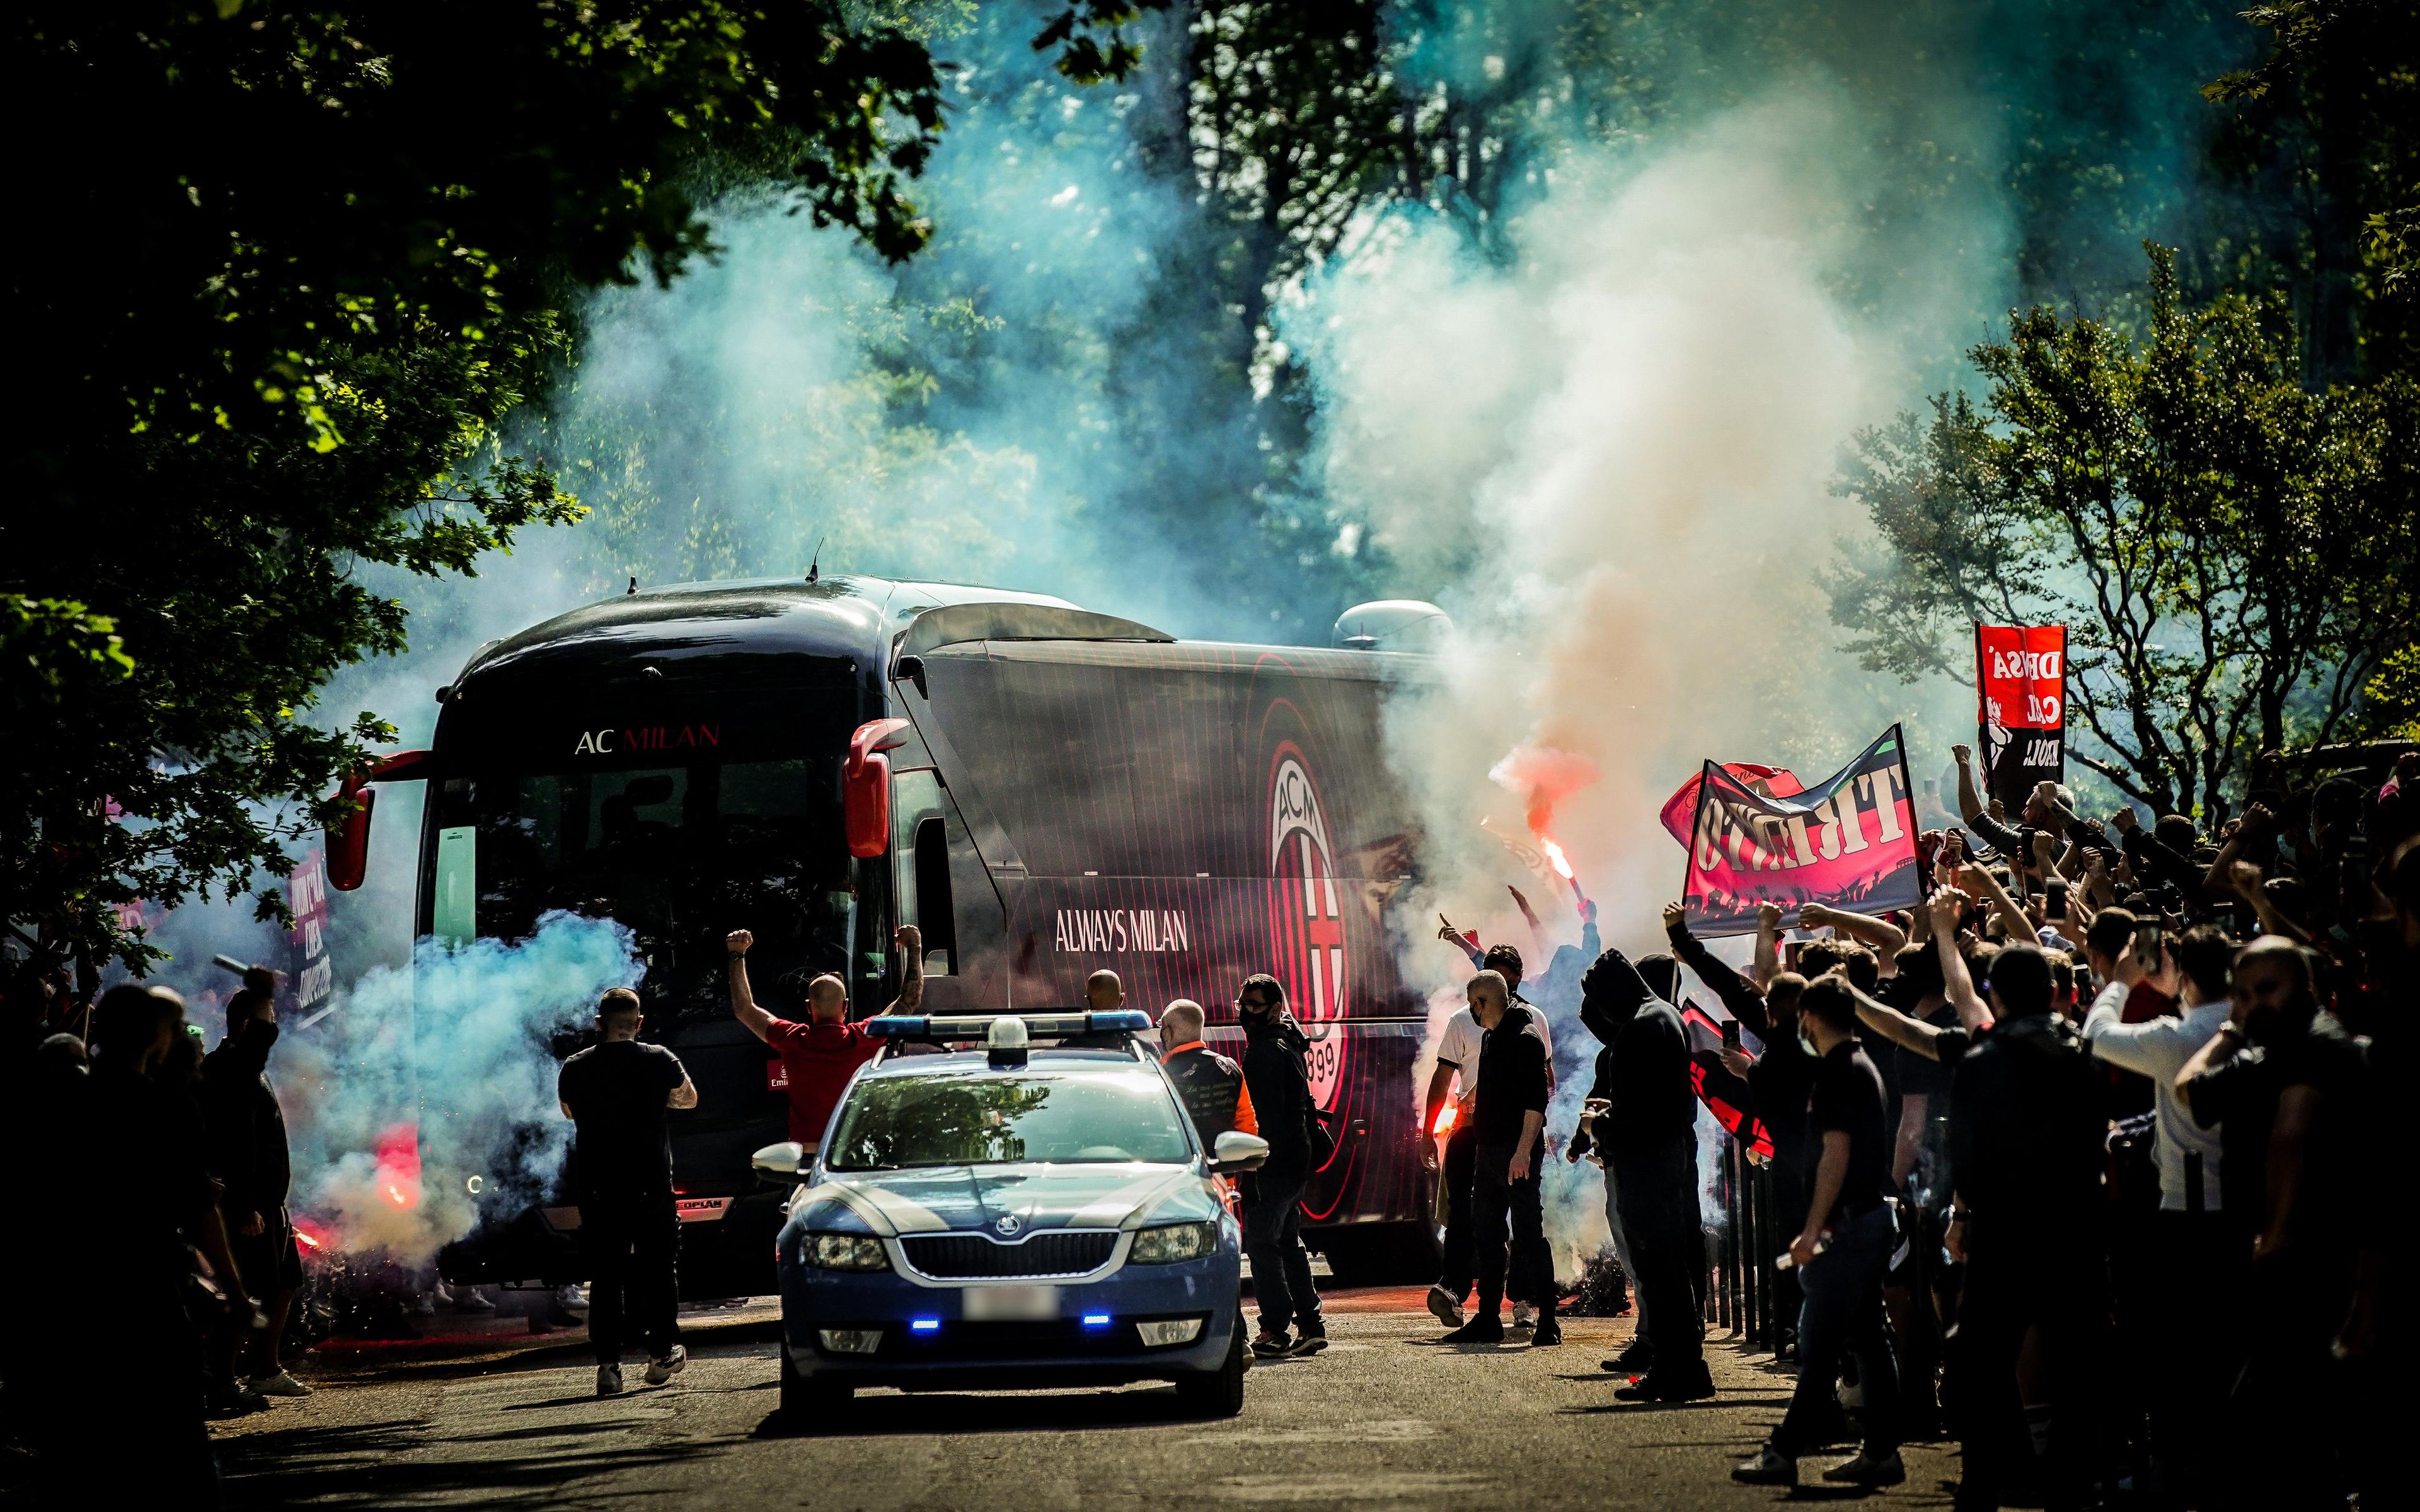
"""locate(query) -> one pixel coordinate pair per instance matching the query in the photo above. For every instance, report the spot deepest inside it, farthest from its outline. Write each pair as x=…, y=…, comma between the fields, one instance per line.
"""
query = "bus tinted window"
x=682, y=854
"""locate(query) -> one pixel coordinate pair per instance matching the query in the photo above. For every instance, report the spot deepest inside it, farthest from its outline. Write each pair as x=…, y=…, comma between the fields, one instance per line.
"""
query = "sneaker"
x=1549, y=1332
x=571, y=1299
x=1272, y=1346
x=1485, y=1328
x=1634, y=1361
x=1446, y=1305
x=1524, y=1315
x=1658, y=1387
x=609, y=1380
x=1866, y=1470
x=424, y=1305
x=471, y=1300
x=236, y=1401
x=1310, y=1341
x=664, y=1366
x=1766, y=1469
x=280, y=1384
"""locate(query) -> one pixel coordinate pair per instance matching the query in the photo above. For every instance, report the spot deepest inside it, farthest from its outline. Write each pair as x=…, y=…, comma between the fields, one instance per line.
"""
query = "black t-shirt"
x=617, y=1093
x=1512, y=1080
x=2241, y=1096
x=1848, y=1098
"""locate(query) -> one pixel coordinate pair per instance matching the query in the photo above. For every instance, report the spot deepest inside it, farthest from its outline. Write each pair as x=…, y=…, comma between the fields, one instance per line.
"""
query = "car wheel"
x=1216, y=1392
x=805, y=1400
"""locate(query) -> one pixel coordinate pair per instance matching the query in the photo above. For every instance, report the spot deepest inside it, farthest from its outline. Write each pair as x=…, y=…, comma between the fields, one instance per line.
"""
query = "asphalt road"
x=1386, y=1417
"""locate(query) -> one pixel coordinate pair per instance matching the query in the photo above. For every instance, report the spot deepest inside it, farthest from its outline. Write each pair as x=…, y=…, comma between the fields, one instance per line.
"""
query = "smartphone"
x=1730, y=1034
x=2147, y=943
x=2055, y=900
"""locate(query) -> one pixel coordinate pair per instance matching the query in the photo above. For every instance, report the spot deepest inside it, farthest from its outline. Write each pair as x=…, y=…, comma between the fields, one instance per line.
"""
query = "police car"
x=992, y=1210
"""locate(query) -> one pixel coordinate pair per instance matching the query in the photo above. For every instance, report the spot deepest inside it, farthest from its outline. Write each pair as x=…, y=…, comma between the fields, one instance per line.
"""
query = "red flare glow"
x=1555, y=853
x=1445, y=1119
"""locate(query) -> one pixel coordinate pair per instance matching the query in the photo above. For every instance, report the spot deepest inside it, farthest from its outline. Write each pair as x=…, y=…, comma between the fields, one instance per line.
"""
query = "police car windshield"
x=982, y=1120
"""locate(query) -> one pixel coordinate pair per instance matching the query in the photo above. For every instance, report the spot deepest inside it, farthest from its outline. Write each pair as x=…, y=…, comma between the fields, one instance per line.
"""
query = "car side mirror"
x=1236, y=1150
x=779, y=1162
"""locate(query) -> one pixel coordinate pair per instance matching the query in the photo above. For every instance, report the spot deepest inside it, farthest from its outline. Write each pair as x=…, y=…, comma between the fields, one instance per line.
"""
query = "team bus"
x=1042, y=790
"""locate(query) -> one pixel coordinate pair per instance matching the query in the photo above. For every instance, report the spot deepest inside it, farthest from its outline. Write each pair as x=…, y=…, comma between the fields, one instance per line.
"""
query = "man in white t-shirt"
x=1457, y=1076
x=2201, y=1252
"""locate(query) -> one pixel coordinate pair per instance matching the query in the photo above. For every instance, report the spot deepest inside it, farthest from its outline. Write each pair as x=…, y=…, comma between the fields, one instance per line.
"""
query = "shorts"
x=269, y=1261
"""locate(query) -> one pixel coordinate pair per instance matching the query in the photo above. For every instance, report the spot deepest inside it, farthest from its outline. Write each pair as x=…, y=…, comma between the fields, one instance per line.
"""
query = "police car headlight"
x=844, y=1252
x=1171, y=1242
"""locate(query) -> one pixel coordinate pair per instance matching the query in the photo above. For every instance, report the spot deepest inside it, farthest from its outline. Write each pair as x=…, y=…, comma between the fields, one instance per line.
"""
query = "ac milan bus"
x=1042, y=790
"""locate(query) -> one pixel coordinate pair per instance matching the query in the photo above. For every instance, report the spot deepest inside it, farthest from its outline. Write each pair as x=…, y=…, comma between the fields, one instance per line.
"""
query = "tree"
x=2233, y=554
x=295, y=267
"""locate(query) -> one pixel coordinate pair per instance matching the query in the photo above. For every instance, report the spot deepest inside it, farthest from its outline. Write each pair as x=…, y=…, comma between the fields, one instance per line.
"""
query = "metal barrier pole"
x=1731, y=1236
x=1752, y=1253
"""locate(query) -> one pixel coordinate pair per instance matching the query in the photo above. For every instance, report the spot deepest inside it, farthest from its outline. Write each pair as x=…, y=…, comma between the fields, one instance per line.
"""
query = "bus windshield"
x=682, y=854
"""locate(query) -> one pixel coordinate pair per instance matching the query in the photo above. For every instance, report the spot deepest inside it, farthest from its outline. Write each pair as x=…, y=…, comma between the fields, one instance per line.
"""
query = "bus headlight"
x=1171, y=1242
x=844, y=1252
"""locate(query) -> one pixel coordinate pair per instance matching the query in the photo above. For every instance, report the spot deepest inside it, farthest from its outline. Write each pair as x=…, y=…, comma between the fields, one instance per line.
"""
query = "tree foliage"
x=2233, y=554
x=297, y=266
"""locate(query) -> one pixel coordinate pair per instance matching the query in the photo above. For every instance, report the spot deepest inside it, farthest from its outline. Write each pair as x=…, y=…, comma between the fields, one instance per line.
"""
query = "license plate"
x=700, y=1209
x=1012, y=1304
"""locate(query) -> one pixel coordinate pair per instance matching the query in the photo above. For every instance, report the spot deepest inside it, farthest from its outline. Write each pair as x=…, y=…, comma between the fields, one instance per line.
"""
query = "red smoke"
x=1541, y=776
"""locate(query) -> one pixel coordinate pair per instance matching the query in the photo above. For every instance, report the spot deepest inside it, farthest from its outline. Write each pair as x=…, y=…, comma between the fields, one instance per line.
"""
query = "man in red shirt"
x=819, y=1055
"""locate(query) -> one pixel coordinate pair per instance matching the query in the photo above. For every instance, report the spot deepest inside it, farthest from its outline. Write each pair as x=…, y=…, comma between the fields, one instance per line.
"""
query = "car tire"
x=1216, y=1392
x=806, y=1401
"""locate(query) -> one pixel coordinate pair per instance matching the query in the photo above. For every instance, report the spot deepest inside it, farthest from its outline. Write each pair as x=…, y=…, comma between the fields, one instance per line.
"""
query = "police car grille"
x=956, y=1256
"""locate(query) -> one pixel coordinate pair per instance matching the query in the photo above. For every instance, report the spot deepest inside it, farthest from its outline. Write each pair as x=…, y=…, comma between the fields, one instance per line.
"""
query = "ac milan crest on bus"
x=1307, y=946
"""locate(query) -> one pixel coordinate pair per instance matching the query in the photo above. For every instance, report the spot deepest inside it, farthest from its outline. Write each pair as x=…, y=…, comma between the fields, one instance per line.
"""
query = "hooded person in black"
x=1274, y=1075
x=248, y=1153
x=1647, y=1130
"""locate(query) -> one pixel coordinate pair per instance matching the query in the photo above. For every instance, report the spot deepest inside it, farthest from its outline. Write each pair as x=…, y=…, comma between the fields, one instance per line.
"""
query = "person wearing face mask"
x=248, y=1152
x=2285, y=1086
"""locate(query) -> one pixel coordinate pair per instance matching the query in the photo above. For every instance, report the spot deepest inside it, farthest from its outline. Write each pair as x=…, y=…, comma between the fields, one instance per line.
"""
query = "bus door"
x=939, y=885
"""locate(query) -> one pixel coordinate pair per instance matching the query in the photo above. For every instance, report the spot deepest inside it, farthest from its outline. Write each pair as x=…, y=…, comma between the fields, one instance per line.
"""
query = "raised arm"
x=1886, y=938
x=1957, y=983
x=1898, y=1028
x=743, y=1001
x=1743, y=1002
x=683, y=1096
x=1767, y=964
x=2247, y=880
x=910, y=1000
x=1982, y=881
x=2218, y=884
x=1978, y=818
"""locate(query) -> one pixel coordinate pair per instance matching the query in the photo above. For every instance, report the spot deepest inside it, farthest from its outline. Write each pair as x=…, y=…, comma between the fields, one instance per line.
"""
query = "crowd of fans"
x=157, y=1172
x=2088, y=1155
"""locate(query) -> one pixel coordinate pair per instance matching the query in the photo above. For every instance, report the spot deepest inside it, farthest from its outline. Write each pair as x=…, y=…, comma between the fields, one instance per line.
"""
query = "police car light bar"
x=978, y=1027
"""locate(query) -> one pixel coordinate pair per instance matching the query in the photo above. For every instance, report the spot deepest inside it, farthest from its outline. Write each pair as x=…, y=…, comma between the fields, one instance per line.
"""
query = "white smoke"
x=430, y=1076
x=1627, y=429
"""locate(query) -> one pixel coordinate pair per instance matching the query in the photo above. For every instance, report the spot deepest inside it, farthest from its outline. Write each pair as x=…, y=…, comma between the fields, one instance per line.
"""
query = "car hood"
x=966, y=1198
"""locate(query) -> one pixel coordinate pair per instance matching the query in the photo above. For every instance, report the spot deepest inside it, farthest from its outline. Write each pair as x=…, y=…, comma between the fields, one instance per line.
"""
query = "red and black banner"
x=2021, y=691
x=1847, y=841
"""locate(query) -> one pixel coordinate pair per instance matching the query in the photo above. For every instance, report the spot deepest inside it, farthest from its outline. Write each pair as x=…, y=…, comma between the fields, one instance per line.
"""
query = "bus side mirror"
x=1236, y=1150
x=865, y=786
x=348, y=838
x=865, y=802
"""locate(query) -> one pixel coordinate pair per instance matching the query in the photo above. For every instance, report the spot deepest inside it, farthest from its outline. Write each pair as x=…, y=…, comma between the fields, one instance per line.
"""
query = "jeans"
x=1622, y=1252
x=1282, y=1283
x=633, y=1248
x=1842, y=1314
x=1461, y=1157
x=1494, y=1198
x=1657, y=1191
